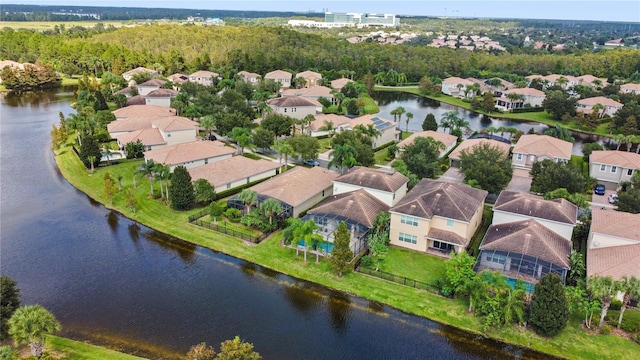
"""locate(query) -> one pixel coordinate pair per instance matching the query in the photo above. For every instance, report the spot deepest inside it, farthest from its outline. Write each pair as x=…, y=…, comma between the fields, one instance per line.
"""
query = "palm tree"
x=284, y=149
x=306, y=122
x=339, y=97
x=514, y=305
x=368, y=130
x=409, y=117
x=452, y=120
x=208, y=123
x=401, y=78
x=491, y=130
x=305, y=231
x=342, y=155
x=147, y=169
x=603, y=288
x=30, y=324
x=248, y=197
x=379, y=78
x=270, y=208
x=391, y=77
x=630, y=139
x=619, y=138
x=597, y=108
x=162, y=172
x=242, y=136
x=400, y=110
x=515, y=98
x=630, y=286
x=92, y=160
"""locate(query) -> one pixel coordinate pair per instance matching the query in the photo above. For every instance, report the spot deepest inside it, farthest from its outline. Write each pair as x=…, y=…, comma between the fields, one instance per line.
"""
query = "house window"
x=411, y=239
x=603, y=168
x=495, y=258
x=614, y=169
x=206, y=161
x=168, y=134
x=285, y=109
x=229, y=186
x=409, y=220
x=322, y=193
x=449, y=223
x=443, y=246
x=519, y=157
x=629, y=172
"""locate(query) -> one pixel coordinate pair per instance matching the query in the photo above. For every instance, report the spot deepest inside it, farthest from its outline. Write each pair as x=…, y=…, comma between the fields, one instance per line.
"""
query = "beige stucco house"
x=449, y=141
x=149, y=86
x=388, y=186
x=530, y=96
x=280, y=76
x=249, y=77
x=437, y=217
x=190, y=154
x=613, y=167
x=235, y=171
x=610, y=106
x=312, y=78
x=455, y=86
x=203, y=77
x=296, y=107
x=160, y=97
x=469, y=145
x=386, y=127
x=313, y=93
x=630, y=89
x=318, y=127
x=532, y=148
x=129, y=74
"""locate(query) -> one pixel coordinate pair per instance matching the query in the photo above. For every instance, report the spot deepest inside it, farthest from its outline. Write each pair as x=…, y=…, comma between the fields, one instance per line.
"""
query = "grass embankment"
x=76, y=350
x=541, y=117
x=572, y=343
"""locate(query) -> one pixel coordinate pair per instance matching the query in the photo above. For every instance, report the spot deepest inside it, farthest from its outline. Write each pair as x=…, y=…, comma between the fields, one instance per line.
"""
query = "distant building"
x=332, y=20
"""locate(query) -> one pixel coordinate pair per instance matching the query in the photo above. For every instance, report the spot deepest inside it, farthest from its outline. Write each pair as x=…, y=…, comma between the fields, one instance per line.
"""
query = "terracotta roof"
x=188, y=151
x=616, y=223
x=314, y=91
x=635, y=87
x=555, y=77
x=153, y=82
x=470, y=144
x=297, y=185
x=599, y=100
x=358, y=205
x=528, y=237
x=321, y=120
x=308, y=73
x=446, y=139
x=147, y=136
x=124, y=91
x=340, y=83
x=177, y=77
x=227, y=171
x=166, y=123
x=247, y=75
x=204, y=73
x=447, y=236
x=174, y=123
x=524, y=91
x=374, y=179
x=136, y=100
x=588, y=79
x=457, y=80
x=293, y=101
x=614, y=261
x=431, y=198
x=543, y=145
x=526, y=204
x=143, y=110
x=129, y=124
x=379, y=122
x=278, y=74
x=625, y=159
x=162, y=93
x=138, y=70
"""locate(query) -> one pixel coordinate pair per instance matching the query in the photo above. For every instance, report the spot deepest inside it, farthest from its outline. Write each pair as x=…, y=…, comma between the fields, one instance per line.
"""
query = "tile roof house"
x=386, y=127
x=455, y=86
x=469, y=145
x=311, y=186
x=357, y=208
x=613, y=245
x=559, y=215
x=136, y=100
x=613, y=167
x=190, y=154
x=280, y=76
x=592, y=81
x=235, y=171
x=203, y=77
x=531, y=148
x=129, y=74
x=160, y=97
x=318, y=126
x=313, y=93
x=530, y=96
x=148, y=86
x=498, y=86
x=387, y=186
x=249, y=77
x=610, y=106
x=630, y=89
x=437, y=217
x=178, y=78
x=312, y=78
x=448, y=140
x=296, y=107
x=338, y=84
x=524, y=250
x=143, y=110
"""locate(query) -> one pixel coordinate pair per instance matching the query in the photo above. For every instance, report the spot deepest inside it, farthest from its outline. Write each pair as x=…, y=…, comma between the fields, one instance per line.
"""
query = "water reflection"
x=339, y=306
x=184, y=249
x=303, y=296
x=134, y=231
x=36, y=99
x=112, y=220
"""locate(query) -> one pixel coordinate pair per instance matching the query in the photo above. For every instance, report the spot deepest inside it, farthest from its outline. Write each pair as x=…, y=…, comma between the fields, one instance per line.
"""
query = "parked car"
x=311, y=162
x=212, y=137
x=613, y=198
x=599, y=189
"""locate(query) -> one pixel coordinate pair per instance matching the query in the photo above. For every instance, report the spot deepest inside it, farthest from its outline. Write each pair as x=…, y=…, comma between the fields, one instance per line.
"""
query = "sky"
x=601, y=10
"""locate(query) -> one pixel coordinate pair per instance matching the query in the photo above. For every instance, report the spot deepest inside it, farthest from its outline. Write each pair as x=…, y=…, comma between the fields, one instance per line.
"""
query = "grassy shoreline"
x=572, y=343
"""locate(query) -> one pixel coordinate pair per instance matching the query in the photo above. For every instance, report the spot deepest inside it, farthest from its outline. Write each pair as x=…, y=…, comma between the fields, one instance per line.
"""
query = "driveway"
x=453, y=175
x=602, y=201
x=521, y=181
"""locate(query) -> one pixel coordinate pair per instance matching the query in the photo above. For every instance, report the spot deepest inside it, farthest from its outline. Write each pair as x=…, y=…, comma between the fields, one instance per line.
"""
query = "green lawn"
x=572, y=343
x=77, y=350
x=413, y=265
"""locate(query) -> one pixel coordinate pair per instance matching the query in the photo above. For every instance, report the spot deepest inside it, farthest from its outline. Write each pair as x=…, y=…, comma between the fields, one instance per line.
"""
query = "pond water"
x=112, y=281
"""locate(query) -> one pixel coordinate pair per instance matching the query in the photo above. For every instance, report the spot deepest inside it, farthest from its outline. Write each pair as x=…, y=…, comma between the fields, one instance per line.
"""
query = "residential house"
x=296, y=107
x=129, y=74
x=614, y=43
x=313, y=93
x=531, y=148
x=126, y=91
x=592, y=81
x=178, y=78
x=203, y=77
x=148, y=86
x=469, y=145
x=498, y=86
x=190, y=154
x=318, y=127
x=613, y=245
x=558, y=215
x=613, y=167
x=160, y=97
x=338, y=84
x=449, y=141
x=456, y=87
x=388, y=186
x=437, y=217
x=136, y=100
x=311, y=78
x=249, y=77
x=524, y=250
x=143, y=111
x=357, y=208
x=280, y=76
x=311, y=185
x=609, y=106
x=630, y=89
x=564, y=81
x=385, y=127
x=527, y=96
x=236, y=171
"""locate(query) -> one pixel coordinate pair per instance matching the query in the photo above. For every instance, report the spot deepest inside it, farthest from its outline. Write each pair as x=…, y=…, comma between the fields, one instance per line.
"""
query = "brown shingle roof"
x=153, y=82
x=358, y=205
x=177, y=77
x=136, y=100
x=559, y=210
x=446, y=139
x=162, y=93
x=528, y=237
x=292, y=101
x=227, y=171
x=543, y=145
x=189, y=151
x=470, y=144
x=435, y=198
x=297, y=185
x=447, y=236
x=374, y=179
x=616, y=223
x=614, y=261
x=625, y=159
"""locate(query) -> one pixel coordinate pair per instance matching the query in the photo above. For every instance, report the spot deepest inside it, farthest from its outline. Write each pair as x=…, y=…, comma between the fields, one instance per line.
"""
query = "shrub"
x=217, y=208
x=615, y=304
x=233, y=214
x=606, y=330
x=549, y=308
x=366, y=261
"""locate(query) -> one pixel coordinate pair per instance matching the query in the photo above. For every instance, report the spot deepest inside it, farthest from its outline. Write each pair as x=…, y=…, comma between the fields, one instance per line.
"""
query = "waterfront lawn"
x=414, y=265
x=573, y=342
x=77, y=350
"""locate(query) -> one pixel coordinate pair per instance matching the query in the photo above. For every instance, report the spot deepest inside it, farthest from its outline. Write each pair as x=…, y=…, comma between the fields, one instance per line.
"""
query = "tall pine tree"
x=549, y=308
x=341, y=253
x=181, y=192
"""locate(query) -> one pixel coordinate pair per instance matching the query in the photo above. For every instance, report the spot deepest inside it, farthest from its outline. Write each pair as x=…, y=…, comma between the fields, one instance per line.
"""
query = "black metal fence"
x=397, y=279
x=221, y=228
